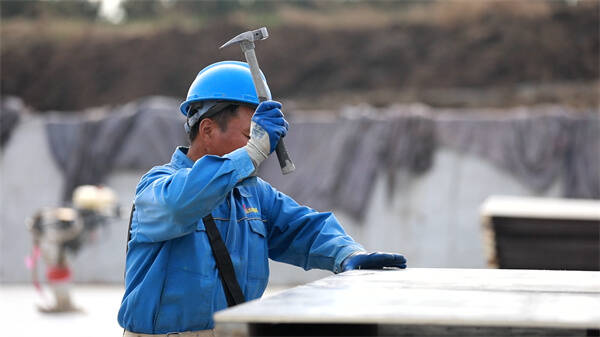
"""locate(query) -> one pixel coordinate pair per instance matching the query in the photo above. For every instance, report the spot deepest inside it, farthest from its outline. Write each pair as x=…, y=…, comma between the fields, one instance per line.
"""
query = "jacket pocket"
x=258, y=252
x=258, y=227
x=187, y=303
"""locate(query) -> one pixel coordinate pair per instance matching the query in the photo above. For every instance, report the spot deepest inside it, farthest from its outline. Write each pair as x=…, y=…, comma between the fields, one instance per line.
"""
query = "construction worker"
x=173, y=284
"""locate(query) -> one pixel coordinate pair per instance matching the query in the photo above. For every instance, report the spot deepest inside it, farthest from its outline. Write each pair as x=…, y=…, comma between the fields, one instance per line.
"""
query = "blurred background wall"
x=442, y=84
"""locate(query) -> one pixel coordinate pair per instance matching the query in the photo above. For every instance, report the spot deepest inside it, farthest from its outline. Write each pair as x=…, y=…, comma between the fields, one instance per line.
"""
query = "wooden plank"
x=448, y=297
x=542, y=233
x=544, y=208
x=545, y=253
x=546, y=243
x=562, y=228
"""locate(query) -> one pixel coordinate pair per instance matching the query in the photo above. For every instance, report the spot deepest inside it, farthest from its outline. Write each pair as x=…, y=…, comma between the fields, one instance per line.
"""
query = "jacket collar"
x=180, y=158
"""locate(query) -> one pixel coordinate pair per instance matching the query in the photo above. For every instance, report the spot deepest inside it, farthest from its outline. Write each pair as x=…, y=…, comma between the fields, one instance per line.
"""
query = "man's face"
x=235, y=136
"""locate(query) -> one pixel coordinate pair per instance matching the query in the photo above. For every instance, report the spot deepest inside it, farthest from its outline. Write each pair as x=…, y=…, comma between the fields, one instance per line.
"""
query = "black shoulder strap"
x=233, y=292
x=129, y=229
x=128, y=238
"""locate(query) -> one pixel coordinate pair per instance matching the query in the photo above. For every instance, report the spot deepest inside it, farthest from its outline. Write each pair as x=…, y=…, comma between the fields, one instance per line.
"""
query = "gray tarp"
x=337, y=162
x=87, y=148
x=153, y=138
x=536, y=145
x=581, y=171
x=10, y=113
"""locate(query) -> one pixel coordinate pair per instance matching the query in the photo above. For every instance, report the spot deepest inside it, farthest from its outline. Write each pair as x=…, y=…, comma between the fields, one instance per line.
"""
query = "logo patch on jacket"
x=250, y=210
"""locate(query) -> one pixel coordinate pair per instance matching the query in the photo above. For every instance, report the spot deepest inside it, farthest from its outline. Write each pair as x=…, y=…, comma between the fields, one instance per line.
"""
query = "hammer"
x=246, y=41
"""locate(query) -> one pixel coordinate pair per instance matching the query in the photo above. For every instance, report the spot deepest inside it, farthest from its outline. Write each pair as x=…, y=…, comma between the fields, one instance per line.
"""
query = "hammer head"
x=251, y=36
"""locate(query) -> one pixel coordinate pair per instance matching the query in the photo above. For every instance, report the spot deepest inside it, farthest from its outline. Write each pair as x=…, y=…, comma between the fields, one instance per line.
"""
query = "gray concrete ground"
x=99, y=305
x=98, y=317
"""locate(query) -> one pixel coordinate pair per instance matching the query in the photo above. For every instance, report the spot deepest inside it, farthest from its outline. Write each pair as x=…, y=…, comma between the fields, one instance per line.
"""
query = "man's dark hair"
x=221, y=117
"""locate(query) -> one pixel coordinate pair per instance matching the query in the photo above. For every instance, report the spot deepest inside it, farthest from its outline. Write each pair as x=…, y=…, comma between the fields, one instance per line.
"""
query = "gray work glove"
x=268, y=126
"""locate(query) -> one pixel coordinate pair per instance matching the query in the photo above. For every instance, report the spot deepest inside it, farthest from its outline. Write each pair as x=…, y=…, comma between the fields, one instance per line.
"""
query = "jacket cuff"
x=343, y=254
x=241, y=162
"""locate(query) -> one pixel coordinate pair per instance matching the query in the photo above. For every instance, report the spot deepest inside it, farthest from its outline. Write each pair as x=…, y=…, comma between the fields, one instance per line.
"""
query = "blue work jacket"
x=172, y=283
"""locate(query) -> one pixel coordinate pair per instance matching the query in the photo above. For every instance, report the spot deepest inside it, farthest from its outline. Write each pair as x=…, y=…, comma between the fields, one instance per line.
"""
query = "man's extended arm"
x=302, y=236
x=309, y=239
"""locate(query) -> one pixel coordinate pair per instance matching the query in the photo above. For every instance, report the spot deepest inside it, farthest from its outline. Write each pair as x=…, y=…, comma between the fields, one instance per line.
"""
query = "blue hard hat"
x=223, y=81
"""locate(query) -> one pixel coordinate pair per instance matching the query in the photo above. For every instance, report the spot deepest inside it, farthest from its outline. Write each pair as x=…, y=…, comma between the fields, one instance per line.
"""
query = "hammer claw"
x=251, y=36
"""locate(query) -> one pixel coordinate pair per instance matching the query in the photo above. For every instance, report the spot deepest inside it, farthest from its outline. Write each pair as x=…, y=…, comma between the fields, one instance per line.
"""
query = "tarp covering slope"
x=338, y=161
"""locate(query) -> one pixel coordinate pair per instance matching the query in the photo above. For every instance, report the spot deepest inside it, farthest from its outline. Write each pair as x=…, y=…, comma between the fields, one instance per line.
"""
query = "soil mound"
x=313, y=64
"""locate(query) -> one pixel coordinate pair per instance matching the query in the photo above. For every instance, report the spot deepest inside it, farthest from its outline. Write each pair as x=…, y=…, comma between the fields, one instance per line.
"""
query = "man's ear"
x=206, y=128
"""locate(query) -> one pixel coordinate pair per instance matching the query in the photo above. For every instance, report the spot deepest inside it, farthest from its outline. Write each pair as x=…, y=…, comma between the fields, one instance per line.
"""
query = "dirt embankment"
x=496, y=54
